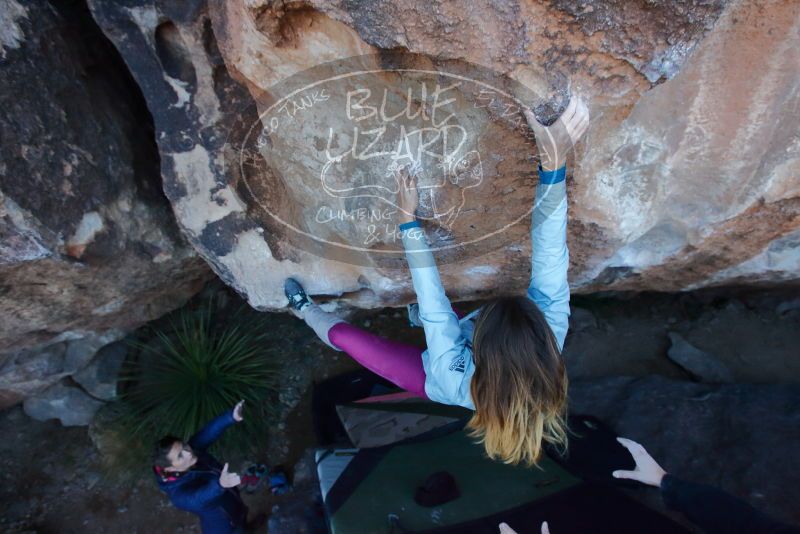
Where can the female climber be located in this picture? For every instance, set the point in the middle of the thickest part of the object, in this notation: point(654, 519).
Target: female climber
point(504, 360)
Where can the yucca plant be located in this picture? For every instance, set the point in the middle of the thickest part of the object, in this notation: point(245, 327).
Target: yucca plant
point(197, 368)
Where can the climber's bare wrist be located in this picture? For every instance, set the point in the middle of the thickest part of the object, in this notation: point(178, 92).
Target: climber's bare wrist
point(405, 218)
point(553, 165)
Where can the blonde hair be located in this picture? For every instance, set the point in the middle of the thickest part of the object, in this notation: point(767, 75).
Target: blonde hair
point(519, 387)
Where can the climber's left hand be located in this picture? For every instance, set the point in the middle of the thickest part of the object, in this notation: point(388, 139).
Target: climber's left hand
point(555, 141)
point(407, 196)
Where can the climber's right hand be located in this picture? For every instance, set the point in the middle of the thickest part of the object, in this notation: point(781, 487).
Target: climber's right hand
point(558, 139)
point(407, 196)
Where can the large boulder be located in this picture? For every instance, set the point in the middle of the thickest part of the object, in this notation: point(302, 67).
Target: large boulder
point(687, 178)
point(88, 244)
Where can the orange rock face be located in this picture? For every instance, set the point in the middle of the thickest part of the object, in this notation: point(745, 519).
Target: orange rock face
point(281, 125)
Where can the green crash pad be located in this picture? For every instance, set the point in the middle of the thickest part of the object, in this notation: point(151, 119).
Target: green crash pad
point(487, 487)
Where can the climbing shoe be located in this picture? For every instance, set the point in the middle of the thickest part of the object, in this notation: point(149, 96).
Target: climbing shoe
point(298, 299)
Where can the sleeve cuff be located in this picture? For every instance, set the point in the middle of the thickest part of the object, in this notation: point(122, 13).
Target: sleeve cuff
point(410, 224)
point(552, 177)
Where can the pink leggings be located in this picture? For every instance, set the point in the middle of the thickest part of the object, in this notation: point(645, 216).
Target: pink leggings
point(399, 363)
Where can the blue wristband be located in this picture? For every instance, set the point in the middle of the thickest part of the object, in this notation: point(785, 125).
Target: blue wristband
point(409, 225)
point(552, 177)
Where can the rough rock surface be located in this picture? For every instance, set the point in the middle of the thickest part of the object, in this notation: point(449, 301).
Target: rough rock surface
point(29, 371)
point(69, 404)
point(701, 365)
point(739, 438)
point(99, 378)
point(688, 176)
point(88, 244)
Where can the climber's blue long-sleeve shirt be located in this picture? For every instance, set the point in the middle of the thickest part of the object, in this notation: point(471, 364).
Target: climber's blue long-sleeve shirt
point(448, 358)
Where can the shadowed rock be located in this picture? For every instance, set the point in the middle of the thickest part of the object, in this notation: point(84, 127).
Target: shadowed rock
point(100, 377)
point(69, 404)
point(740, 438)
point(701, 365)
point(88, 242)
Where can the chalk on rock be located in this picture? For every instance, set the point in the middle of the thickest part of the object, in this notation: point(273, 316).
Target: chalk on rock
point(702, 366)
point(69, 404)
point(99, 378)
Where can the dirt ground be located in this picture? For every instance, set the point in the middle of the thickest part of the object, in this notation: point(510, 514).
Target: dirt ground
point(54, 479)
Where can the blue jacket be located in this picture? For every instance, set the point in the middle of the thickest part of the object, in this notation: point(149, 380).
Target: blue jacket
point(198, 490)
point(448, 358)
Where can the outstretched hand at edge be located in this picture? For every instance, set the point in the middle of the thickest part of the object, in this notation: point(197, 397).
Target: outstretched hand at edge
point(647, 470)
